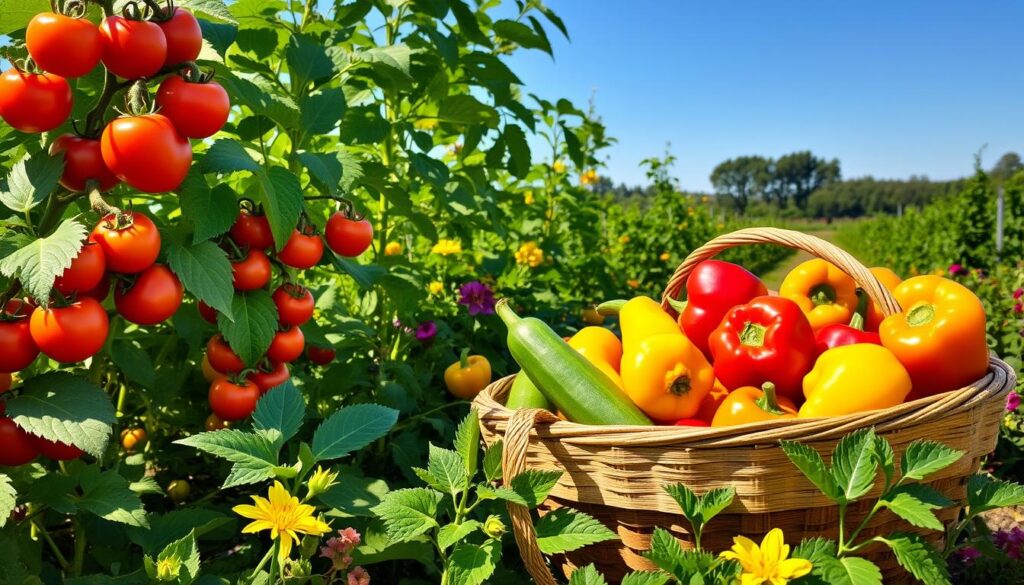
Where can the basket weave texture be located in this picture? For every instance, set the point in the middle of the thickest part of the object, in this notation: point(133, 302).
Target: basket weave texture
point(617, 473)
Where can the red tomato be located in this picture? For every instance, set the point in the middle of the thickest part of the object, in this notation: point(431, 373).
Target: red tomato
point(65, 46)
point(100, 292)
point(55, 449)
point(197, 110)
point(302, 250)
point(294, 304)
point(130, 242)
point(230, 401)
point(86, 271)
point(252, 231)
point(32, 102)
point(207, 312)
point(155, 296)
point(252, 272)
point(5, 382)
point(17, 349)
point(287, 345)
point(184, 37)
point(272, 379)
point(72, 333)
point(348, 237)
point(320, 356)
point(146, 152)
point(83, 162)
point(132, 48)
point(20, 307)
point(18, 448)
point(222, 358)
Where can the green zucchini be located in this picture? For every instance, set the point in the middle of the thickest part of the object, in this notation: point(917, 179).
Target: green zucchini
point(524, 394)
point(575, 386)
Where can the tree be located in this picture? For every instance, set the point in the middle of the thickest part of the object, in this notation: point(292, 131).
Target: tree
point(1007, 165)
point(799, 174)
point(741, 178)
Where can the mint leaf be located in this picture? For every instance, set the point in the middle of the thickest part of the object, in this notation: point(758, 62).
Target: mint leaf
point(487, 492)
point(665, 551)
point(467, 442)
point(810, 463)
point(446, 468)
point(645, 578)
point(854, 463)
point(918, 557)
point(816, 550)
point(688, 501)
point(450, 534)
point(31, 181)
point(63, 407)
point(352, 428)
point(565, 530)
point(923, 458)
point(8, 499)
point(914, 503)
point(850, 571)
point(106, 494)
point(492, 461)
point(41, 261)
point(987, 493)
point(886, 458)
point(408, 513)
point(534, 485)
point(472, 564)
point(716, 500)
point(587, 575)
point(253, 455)
point(251, 325)
point(281, 408)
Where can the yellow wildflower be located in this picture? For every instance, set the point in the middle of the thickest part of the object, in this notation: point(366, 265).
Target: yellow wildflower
point(665, 257)
point(321, 481)
point(558, 166)
point(436, 287)
point(284, 516)
point(528, 198)
point(446, 247)
point(392, 249)
point(767, 564)
point(168, 569)
point(705, 199)
point(690, 211)
point(633, 283)
point(624, 239)
point(588, 177)
point(720, 225)
point(530, 255)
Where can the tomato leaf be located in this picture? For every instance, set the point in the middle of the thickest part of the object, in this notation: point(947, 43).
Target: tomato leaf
point(281, 408)
point(350, 429)
point(253, 327)
point(106, 494)
point(31, 181)
point(211, 211)
point(216, 9)
point(15, 14)
point(281, 196)
point(254, 456)
point(204, 271)
point(8, 499)
point(41, 261)
point(320, 113)
point(63, 407)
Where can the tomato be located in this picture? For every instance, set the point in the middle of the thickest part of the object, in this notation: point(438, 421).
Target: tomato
point(83, 162)
point(302, 250)
point(209, 372)
point(65, 46)
point(130, 242)
point(252, 272)
point(252, 230)
point(55, 449)
point(85, 273)
point(348, 237)
point(272, 379)
point(208, 313)
point(132, 48)
point(5, 382)
point(294, 304)
point(146, 152)
point(231, 401)
point(133, 438)
point(222, 358)
point(184, 37)
point(155, 296)
point(20, 307)
point(178, 490)
point(197, 110)
point(72, 333)
point(100, 292)
point(18, 447)
point(320, 356)
point(17, 349)
point(214, 423)
point(287, 345)
point(32, 102)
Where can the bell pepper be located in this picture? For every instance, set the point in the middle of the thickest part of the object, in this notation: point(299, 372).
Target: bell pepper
point(824, 293)
point(691, 422)
point(940, 335)
point(712, 289)
point(712, 401)
point(854, 378)
point(468, 376)
point(639, 318)
point(765, 340)
point(598, 344)
point(666, 376)
point(837, 334)
point(748, 404)
point(890, 280)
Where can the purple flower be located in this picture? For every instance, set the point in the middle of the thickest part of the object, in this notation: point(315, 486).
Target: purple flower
point(478, 297)
point(1011, 541)
point(1018, 293)
point(1012, 401)
point(956, 269)
point(967, 554)
point(426, 331)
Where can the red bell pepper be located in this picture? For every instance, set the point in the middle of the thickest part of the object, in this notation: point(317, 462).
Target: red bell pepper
point(712, 289)
point(838, 334)
point(766, 340)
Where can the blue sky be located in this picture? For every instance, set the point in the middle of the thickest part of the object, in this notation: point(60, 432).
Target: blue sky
point(891, 88)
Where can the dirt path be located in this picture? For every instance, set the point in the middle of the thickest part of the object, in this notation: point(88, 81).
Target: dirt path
point(773, 278)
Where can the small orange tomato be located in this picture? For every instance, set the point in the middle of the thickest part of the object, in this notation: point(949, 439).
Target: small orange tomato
point(133, 439)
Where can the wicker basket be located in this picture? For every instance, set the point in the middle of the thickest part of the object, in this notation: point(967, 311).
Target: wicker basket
point(617, 473)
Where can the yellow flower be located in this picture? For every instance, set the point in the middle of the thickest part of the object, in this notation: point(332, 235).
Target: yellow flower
point(530, 255)
point(168, 569)
point(705, 199)
point(283, 515)
point(766, 564)
point(665, 256)
point(528, 198)
point(690, 211)
point(436, 287)
point(633, 283)
point(558, 166)
point(392, 249)
point(321, 481)
point(624, 239)
point(447, 247)
point(720, 226)
point(588, 177)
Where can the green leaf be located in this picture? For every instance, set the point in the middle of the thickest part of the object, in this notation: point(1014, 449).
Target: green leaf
point(8, 499)
point(281, 196)
point(472, 564)
point(492, 461)
point(56, 491)
point(219, 36)
point(919, 558)
point(211, 211)
point(506, 494)
point(713, 502)
point(450, 534)
point(40, 262)
point(408, 513)
point(166, 528)
point(689, 502)
point(281, 408)
point(521, 34)
point(186, 553)
point(31, 181)
point(134, 363)
point(854, 464)
point(923, 458)
point(587, 575)
point(326, 169)
point(987, 493)
point(466, 109)
point(914, 503)
point(467, 442)
point(15, 14)
point(320, 112)
point(307, 59)
point(254, 324)
point(215, 9)
point(518, 150)
point(468, 25)
point(817, 550)
point(645, 578)
point(253, 455)
point(534, 485)
point(430, 169)
point(886, 458)
point(665, 551)
point(205, 271)
point(228, 156)
point(810, 463)
point(565, 530)
point(446, 467)
point(395, 57)
point(62, 407)
point(355, 495)
point(850, 571)
point(352, 428)
point(107, 494)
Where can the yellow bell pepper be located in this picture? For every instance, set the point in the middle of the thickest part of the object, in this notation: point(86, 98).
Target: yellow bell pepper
point(854, 378)
point(640, 318)
point(825, 294)
point(598, 344)
point(667, 376)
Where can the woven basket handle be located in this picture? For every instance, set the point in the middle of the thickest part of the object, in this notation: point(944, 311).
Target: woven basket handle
point(513, 462)
point(791, 239)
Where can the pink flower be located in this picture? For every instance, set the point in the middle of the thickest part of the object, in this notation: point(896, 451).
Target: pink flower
point(426, 331)
point(1018, 308)
point(358, 576)
point(1018, 293)
point(1012, 401)
point(478, 297)
point(956, 269)
point(339, 547)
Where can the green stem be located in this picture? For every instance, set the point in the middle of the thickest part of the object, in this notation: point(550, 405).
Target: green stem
point(53, 545)
point(80, 541)
point(464, 358)
point(262, 563)
point(611, 307)
point(842, 526)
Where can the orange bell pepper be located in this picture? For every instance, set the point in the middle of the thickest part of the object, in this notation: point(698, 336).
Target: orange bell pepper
point(748, 404)
point(667, 376)
point(890, 280)
point(854, 378)
point(824, 293)
point(598, 344)
point(940, 335)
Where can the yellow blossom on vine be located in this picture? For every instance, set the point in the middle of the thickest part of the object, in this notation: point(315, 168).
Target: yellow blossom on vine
point(284, 516)
point(665, 257)
point(446, 247)
point(633, 283)
point(392, 249)
point(528, 198)
point(558, 166)
point(529, 255)
point(588, 177)
point(321, 481)
point(767, 564)
point(436, 287)
point(624, 239)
